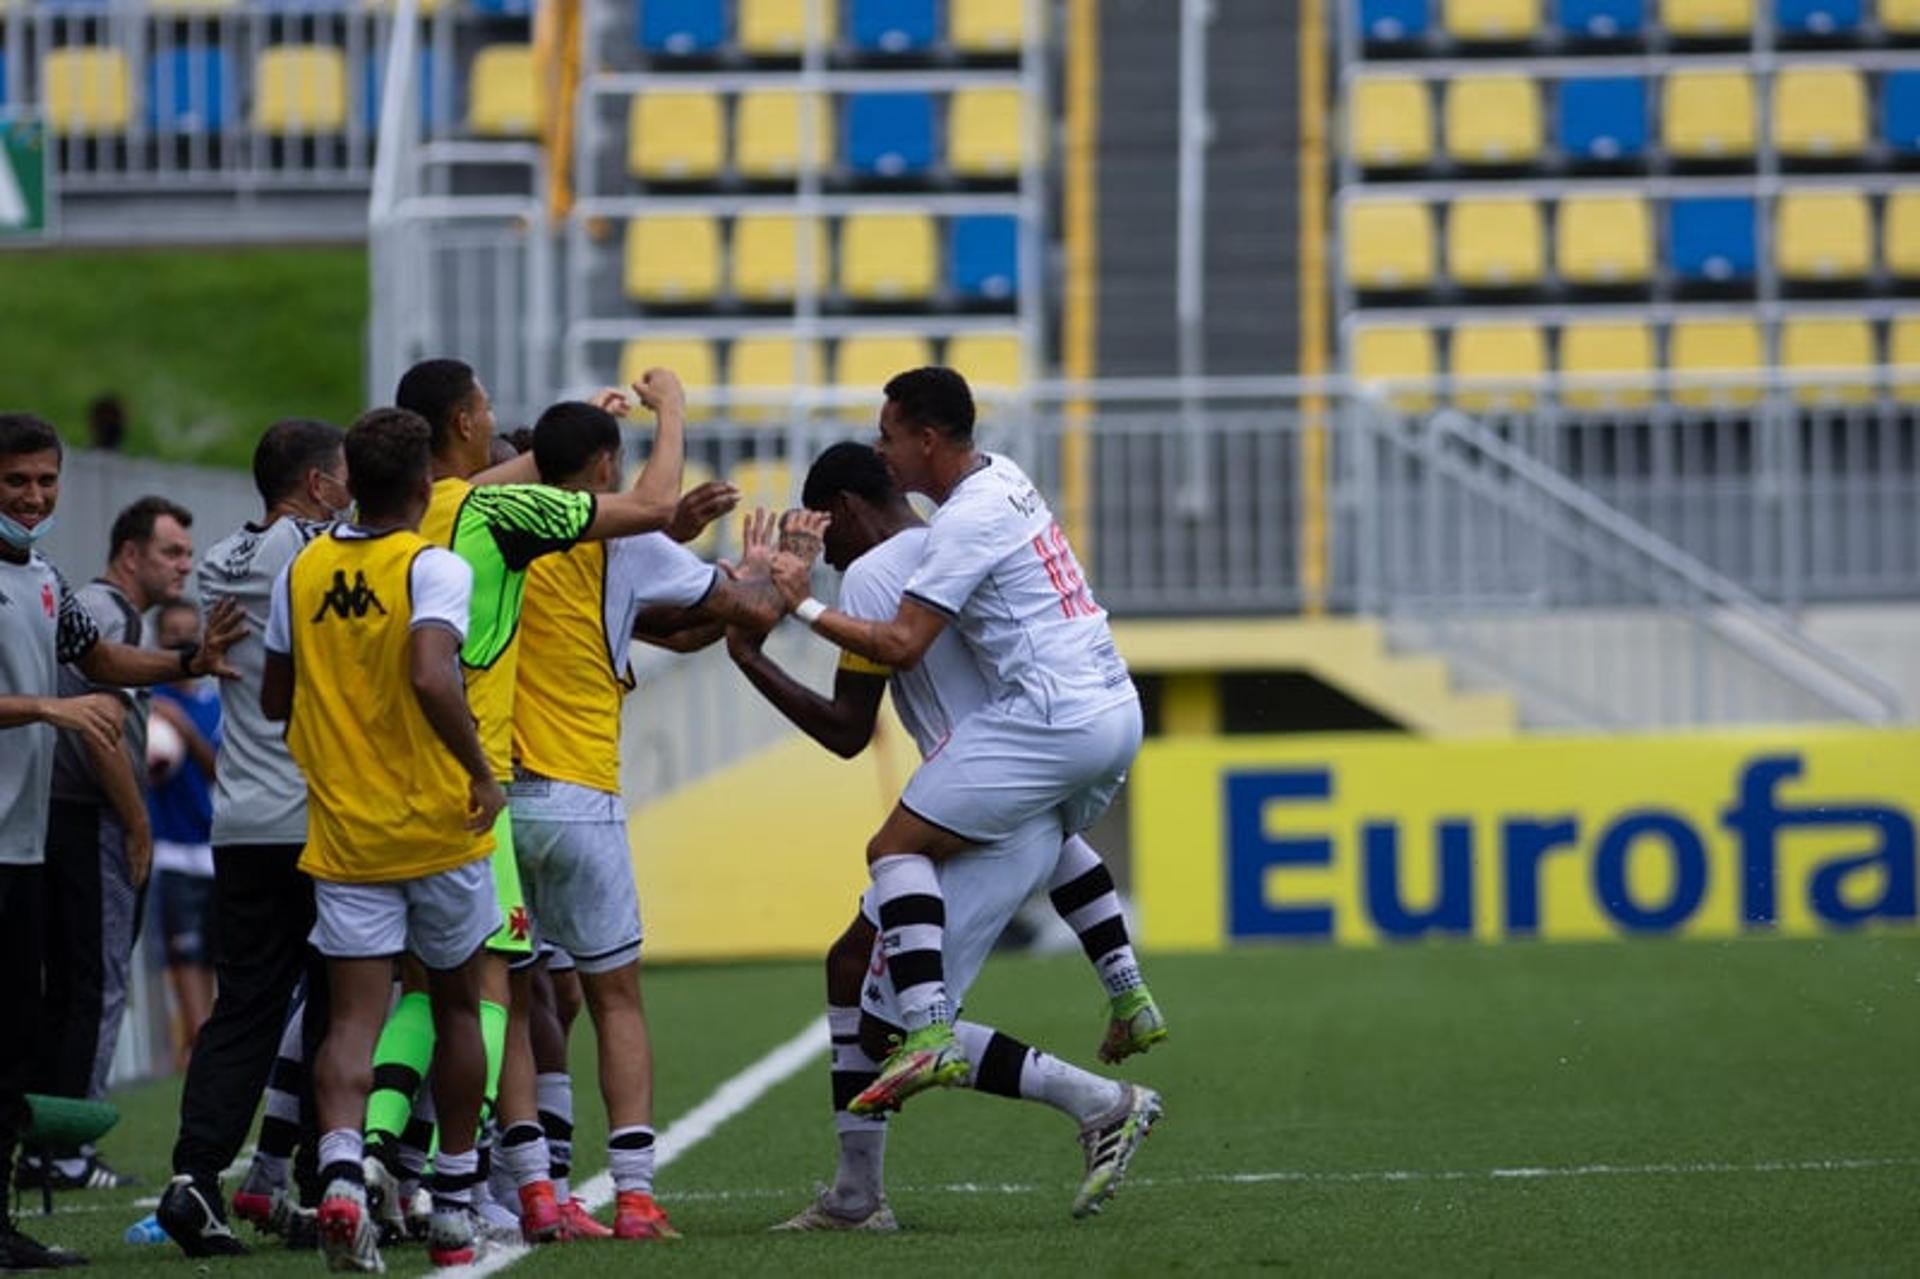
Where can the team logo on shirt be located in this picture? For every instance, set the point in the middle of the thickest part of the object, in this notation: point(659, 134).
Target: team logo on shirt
point(349, 602)
point(48, 604)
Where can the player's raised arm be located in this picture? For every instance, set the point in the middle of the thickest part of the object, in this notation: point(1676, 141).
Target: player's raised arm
point(124, 666)
point(898, 644)
point(651, 502)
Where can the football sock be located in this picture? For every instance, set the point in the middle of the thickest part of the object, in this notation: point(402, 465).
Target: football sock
point(1082, 892)
point(630, 1159)
point(555, 1092)
point(493, 1038)
point(859, 1180)
point(523, 1153)
point(1002, 1065)
point(400, 1061)
point(913, 918)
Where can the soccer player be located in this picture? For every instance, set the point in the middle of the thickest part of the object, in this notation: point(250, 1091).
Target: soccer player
point(363, 642)
point(1058, 736)
point(570, 827)
point(877, 540)
point(263, 901)
point(500, 529)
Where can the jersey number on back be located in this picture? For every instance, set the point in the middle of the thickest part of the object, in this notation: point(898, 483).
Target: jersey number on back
point(1064, 572)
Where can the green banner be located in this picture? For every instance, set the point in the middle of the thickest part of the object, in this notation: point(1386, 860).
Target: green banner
point(23, 178)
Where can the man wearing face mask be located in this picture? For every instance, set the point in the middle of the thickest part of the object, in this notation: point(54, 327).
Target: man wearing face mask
point(41, 625)
point(263, 904)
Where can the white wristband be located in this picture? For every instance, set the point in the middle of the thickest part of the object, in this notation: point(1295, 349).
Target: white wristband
point(809, 610)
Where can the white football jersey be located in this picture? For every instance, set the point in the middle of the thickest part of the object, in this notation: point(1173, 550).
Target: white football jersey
point(947, 685)
point(999, 567)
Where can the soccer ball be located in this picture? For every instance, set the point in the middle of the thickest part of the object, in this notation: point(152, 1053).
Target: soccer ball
point(166, 749)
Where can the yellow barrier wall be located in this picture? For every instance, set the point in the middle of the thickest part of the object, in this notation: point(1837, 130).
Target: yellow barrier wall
point(1362, 841)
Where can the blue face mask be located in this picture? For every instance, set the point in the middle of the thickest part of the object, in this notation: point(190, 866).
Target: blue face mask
point(19, 536)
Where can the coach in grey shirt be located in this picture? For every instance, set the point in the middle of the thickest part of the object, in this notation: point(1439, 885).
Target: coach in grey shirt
point(263, 904)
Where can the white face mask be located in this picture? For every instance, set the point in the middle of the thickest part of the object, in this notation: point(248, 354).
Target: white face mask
point(19, 536)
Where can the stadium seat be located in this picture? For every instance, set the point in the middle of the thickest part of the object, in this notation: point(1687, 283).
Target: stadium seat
point(1706, 19)
point(675, 137)
point(1389, 244)
point(1714, 346)
point(986, 26)
point(1497, 350)
point(1707, 115)
point(300, 89)
point(766, 134)
point(1823, 235)
point(1598, 349)
point(764, 481)
point(887, 135)
point(891, 26)
point(1842, 343)
point(504, 98)
point(690, 357)
point(1900, 111)
point(1477, 20)
point(887, 257)
point(1492, 119)
point(185, 92)
point(1903, 353)
point(1389, 122)
point(1495, 242)
point(1398, 360)
point(492, 8)
point(1391, 21)
point(1819, 112)
point(1711, 239)
point(1604, 239)
point(986, 133)
point(765, 263)
point(1900, 234)
point(778, 28)
point(1899, 17)
point(983, 256)
point(1601, 19)
point(993, 361)
point(1603, 117)
point(864, 363)
point(85, 90)
point(682, 27)
point(673, 258)
point(770, 362)
point(1817, 17)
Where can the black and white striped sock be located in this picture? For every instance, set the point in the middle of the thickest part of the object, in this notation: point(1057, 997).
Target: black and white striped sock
point(913, 920)
point(1083, 893)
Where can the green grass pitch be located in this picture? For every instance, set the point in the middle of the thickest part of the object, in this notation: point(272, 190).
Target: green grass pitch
point(1653, 1107)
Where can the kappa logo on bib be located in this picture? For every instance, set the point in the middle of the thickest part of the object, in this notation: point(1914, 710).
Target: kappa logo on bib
point(349, 602)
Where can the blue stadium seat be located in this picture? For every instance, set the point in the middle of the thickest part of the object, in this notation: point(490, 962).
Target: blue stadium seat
point(983, 256)
point(373, 80)
point(892, 26)
point(1601, 19)
point(1818, 17)
point(887, 135)
point(1603, 117)
point(1900, 111)
point(503, 8)
point(681, 26)
point(1391, 20)
point(184, 93)
point(1711, 238)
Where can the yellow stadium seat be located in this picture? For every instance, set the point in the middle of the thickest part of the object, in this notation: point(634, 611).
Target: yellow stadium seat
point(989, 361)
point(1390, 122)
point(1901, 17)
point(765, 264)
point(986, 26)
point(1900, 234)
point(985, 132)
point(1495, 242)
point(1707, 115)
point(1492, 119)
point(690, 357)
point(887, 257)
point(1819, 112)
point(1823, 235)
point(85, 90)
point(764, 481)
point(766, 134)
point(1498, 351)
point(1836, 342)
point(300, 89)
point(1604, 239)
point(676, 137)
point(1707, 18)
point(673, 258)
point(769, 362)
point(1714, 346)
point(1903, 354)
point(1605, 349)
point(1388, 244)
point(866, 362)
point(504, 93)
point(1398, 361)
point(778, 28)
point(1491, 19)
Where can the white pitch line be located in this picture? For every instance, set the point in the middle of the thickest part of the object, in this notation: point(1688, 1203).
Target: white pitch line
point(682, 1135)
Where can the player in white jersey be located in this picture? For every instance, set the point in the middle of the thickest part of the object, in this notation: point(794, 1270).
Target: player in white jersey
point(877, 541)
